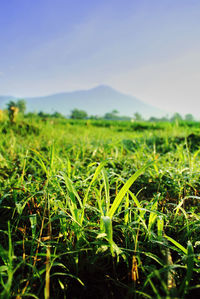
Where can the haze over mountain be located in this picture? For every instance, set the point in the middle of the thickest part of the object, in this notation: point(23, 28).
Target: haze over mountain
point(95, 101)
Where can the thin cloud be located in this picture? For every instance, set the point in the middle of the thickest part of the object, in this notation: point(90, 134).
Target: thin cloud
point(171, 85)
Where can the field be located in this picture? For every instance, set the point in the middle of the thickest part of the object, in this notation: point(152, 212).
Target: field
point(96, 209)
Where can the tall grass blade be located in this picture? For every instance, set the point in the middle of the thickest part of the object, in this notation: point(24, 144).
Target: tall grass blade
point(7, 257)
point(40, 161)
point(106, 185)
point(52, 151)
point(190, 263)
point(178, 245)
point(107, 223)
point(160, 226)
point(190, 266)
point(125, 189)
point(96, 174)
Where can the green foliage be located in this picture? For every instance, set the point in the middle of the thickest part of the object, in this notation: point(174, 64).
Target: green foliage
point(14, 108)
point(12, 111)
point(114, 115)
point(48, 115)
point(85, 214)
point(157, 119)
point(189, 117)
point(11, 104)
point(57, 115)
point(176, 117)
point(21, 104)
point(137, 116)
point(78, 114)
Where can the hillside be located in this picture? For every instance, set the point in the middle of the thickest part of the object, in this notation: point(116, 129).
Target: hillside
point(96, 101)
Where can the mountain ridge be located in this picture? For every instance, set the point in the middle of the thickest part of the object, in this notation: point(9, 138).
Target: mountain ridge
point(95, 101)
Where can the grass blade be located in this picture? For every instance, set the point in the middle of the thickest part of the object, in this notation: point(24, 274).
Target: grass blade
point(178, 245)
point(125, 189)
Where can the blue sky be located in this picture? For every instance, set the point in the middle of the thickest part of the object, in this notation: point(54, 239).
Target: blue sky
point(149, 49)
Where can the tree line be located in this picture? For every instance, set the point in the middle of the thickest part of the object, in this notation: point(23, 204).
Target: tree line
point(13, 107)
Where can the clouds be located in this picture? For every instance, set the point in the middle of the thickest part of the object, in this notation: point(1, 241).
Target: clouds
point(172, 85)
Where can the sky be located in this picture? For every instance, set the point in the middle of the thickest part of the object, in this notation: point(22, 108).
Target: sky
point(146, 48)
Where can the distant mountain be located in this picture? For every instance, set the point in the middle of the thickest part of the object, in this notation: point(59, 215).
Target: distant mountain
point(96, 101)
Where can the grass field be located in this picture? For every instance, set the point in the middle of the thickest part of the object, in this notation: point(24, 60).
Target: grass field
point(96, 209)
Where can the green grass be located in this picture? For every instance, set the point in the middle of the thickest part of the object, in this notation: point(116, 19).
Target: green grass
point(99, 209)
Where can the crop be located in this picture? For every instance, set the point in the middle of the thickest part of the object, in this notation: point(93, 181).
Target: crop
point(94, 209)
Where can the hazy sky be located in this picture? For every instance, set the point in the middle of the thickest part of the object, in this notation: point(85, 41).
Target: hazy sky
point(149, 49)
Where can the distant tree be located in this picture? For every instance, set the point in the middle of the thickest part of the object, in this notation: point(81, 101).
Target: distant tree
point(57, 115)
point(157, 119)
point(189, 117)
point(115, 112)
point(14, 108)
point(44, 115)
point(108, 116)
point(164, 118)
point(31, 114)
point(137, 116)
point(176, 117)
point(21, 104)
point(94, 117)
point(153, 119)
point(11, 104)
point(113, 115)
point(78, 114)
point(12, 111)
point(41, 114)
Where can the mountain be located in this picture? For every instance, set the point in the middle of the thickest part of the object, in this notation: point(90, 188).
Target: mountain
point(96, 101)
